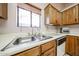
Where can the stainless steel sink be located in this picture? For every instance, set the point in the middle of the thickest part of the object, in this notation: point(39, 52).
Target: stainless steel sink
point(22, 40)
point(31, 39)
point(43, 37)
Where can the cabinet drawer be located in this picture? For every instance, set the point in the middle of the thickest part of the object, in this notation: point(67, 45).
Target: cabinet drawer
point(48, 45)
point(31, 52)
point(50, 52)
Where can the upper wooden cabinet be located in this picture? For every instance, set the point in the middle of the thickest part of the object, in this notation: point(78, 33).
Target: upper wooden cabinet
point(64, 18)
point(70, 16)
point(67, 17)
point(52, 15)
point(3, 10)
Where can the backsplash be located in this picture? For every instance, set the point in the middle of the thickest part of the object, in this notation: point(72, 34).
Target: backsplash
point(72, 28)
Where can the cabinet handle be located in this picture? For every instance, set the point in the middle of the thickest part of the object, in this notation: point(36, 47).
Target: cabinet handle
point(78, 41)
point(56, 21)
point(75, 19)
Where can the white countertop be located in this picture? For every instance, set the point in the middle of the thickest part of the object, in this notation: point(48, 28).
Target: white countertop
point(25, 46)
point(5, 39)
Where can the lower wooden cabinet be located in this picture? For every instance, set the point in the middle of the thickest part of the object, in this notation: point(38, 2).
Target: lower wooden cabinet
point(31, 52)
point(47, 49)
point(77, 46)
point(47, 46)
point(50, 52)
point(72, 45)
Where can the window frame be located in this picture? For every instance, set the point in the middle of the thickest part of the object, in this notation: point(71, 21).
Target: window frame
point(30, 19)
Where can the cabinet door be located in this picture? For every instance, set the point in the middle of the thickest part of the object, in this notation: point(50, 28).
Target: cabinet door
point(53, 15)
point(77, 46)
point(71, 16)
point(58, 18)
point(64, 18)
point(48, 45)
point(31, 52)
point(67, 16)
point(3, 10)
point(74, 11)
point(46, 15)
point(70, 45)
point(50, 52)
point(76, 14)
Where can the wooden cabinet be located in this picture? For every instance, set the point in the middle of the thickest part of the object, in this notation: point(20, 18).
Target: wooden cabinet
point(64, 18)
point(52, 16)
point(70, 16)
point(31, 52)
point(77, 46)
point(50, 52)
point(59, 18)
point(3, 10)
point(67, 17)
point(74, 15)
point(77, 14)
point(72, 45)
point(47, 49)
point(48, 46)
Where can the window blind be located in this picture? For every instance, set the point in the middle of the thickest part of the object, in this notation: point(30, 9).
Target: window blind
point(30, 7)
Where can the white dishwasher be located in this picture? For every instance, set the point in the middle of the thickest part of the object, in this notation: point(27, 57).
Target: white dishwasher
point(61, 46)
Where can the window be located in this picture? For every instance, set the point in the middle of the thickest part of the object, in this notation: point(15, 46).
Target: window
point(28, 18)
point(35, 20)
point(24, 17)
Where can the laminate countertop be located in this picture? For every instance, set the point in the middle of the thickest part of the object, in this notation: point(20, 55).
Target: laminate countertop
point(21, 47)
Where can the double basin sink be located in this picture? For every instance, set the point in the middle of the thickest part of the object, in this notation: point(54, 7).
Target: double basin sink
point(31, 39)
